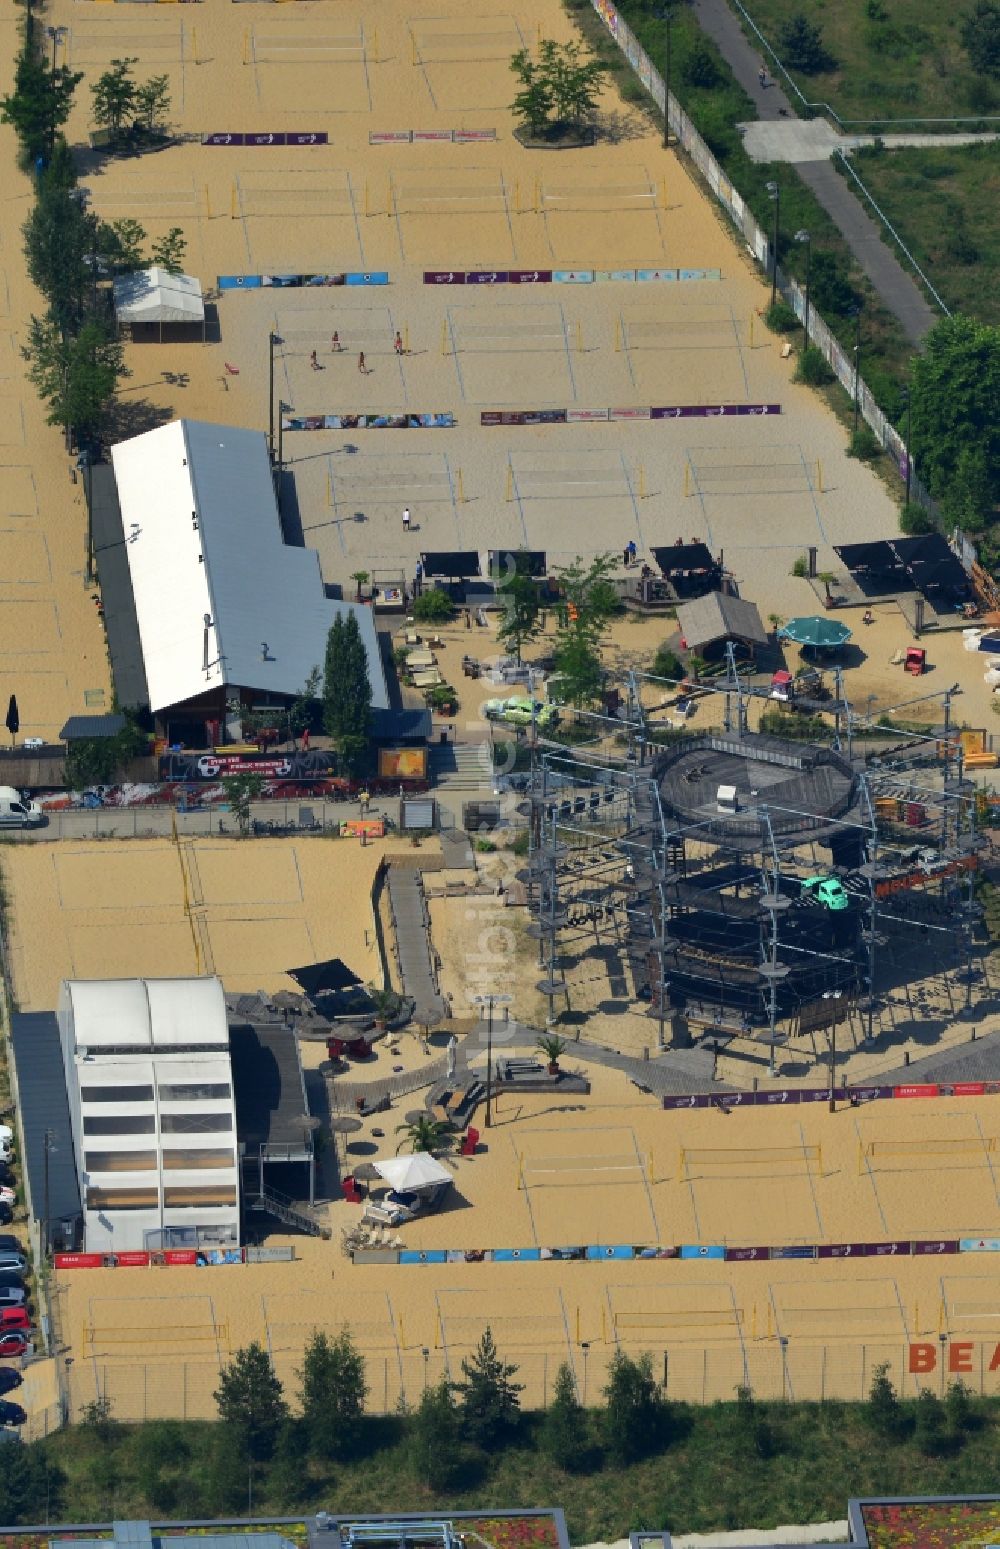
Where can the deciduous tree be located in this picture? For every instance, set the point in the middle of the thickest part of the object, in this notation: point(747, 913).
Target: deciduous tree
point(955, 437)
point(168, 251)
point(347, 692)
point(114, 95)
point(39, 104)
point(980, 35)
point(250, 1399)
point(488, 1394)
point(332, 1392)
point(564, 1434)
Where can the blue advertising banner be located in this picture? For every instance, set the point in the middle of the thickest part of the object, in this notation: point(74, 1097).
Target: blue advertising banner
point(367, 421)
point(572, 276)
point(701, 1251)
point(622, 1252)
point(379, 278)
point(793, 1252)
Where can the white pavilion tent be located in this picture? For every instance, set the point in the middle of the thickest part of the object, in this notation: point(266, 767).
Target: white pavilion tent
point(154, 297)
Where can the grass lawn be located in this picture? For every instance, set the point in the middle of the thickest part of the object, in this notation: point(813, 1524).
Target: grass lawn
point(790, 1463)
point(894, 60)
point(944, 204)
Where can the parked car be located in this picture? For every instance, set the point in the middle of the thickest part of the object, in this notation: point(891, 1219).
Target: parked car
point(14, 1318)
point(11, 1414)
point(10, 1378)
point(828, 891)
point(12, 1296)
point(6, 1214)
point(12, 1276)
point(10, 1244)
point(12, 1344)
point(15, 812)
point(8, 1196)
point(13, 1260)
point(518, 711)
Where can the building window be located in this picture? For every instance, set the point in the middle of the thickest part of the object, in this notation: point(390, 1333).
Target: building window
point(185, 1198)
point(195, 1123)
point(122, 1199)
point(198, 1157)
point(119, 1161)
point(194, 1091)
point(116, 1094)
point(120, 1124)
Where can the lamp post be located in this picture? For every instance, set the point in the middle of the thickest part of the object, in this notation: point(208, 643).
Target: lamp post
point(856, 311)
point(47, 1149)
point(905, 395)
point(667, 18)
point(270, 393)
point(835, 996)
point(489, 1001)
point(55, 36)
point(774, 194)
point(585, 1347)
point(803, 236)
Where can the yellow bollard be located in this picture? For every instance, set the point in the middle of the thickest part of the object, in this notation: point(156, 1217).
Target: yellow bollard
point(687, 478)
point(510, 482)
point(246, 47)
point(618, 333)
point(643, 491)
point(444, 337)
point(579, 338)
point(232, 204)
point(459, 488)
point(819, 477)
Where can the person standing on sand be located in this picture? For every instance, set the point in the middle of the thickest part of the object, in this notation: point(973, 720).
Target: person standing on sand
point(335, 343)
point(397, 343)
point(361, 364)
point(406, 518)
point(314, 362)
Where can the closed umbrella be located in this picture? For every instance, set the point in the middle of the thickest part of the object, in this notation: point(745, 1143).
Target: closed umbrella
point(452, 1055)
point(13, 719)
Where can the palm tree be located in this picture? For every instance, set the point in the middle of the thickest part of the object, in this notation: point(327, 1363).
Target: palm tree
point(386, 1003)
point(551, 1045)
point(827, 576)
point(360, 577)
point(424, 1134)
point(775, 620)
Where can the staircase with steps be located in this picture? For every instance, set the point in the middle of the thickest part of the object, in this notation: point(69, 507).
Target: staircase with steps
point(461, 766)
point(286, 1210)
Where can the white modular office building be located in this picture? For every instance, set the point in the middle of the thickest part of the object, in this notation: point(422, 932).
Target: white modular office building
point(150, 1088)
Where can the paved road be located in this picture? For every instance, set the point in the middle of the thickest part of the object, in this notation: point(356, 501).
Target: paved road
point(898, 291)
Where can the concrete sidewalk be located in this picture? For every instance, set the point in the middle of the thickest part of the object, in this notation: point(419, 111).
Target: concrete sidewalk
point(899, 293)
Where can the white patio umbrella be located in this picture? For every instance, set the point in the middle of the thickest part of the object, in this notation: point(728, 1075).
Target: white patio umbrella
point(418, 1171)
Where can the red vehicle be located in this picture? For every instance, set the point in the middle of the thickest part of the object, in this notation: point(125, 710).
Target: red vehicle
point(13, 1318)
point(12, 1344)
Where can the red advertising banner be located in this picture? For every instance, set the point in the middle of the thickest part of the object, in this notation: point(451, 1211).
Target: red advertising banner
point(969, 1089)
point(916, 1091)
point(131, 1260)
point(180, 1256)
point(79, 1260)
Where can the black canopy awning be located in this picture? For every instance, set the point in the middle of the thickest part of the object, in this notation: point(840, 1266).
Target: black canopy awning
point(451, 565)
point(866, 556)
point(684, 556)
point(324, 978)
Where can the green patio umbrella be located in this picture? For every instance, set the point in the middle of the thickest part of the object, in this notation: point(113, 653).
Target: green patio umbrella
point(822, 633)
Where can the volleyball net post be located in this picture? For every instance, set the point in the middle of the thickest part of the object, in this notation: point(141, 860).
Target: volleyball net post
point(509, 496)
point(687, 479)
point(246, 46)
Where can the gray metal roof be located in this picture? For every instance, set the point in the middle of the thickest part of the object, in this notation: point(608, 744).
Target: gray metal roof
point(120, 622)
point(717, 616)
point(92, 726)
point(43, 1105)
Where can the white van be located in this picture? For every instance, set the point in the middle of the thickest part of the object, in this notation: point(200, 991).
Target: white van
point(16, 812)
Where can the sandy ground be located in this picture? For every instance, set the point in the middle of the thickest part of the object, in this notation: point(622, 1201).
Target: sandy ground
point(112, 909)
point(608, 1168)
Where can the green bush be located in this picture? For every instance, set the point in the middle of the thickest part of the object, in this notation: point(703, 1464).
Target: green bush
point(433, 607)
point(700, 67)
point(864, 445)
point(666, 664)
point(914, 520)
point(801, 567)
point(780, 318)
point(812, 368)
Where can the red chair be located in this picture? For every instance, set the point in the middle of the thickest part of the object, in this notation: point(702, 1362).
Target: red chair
point(351, 1190)
point(335, 1048)
point(469, 1142)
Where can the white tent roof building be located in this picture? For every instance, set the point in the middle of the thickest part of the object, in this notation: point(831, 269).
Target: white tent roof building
point(221, 601)
point(418, 1171)
point(157, 296)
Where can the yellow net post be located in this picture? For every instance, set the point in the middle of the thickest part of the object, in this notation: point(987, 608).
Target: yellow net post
point(208, 204)
point(538, 196)
point(329, 490)
point(643, 491)
point(517, 199)
point(538, 35)
point(510, 483)
point(246, 47)
point(233, 212)
point(375, 58)
point(618, 334)
point(439, 1334)
point(578, 1325)
point(687, 478)
point(751, 330)
point(663, 193)
point(414, 58)
point(819, 1160)
point(406, 338)
point(390, 201)
point(770, 1321)
point(194, 45)
point(819, 477)
point(459, 488)
point(579, 338)
point(649, 1165)
point(682, 1155)
point(368, 199)
point(604, 1327)
point(942, 1327)
point(402, 1334)
point(444, 337)
point(753, 1322)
